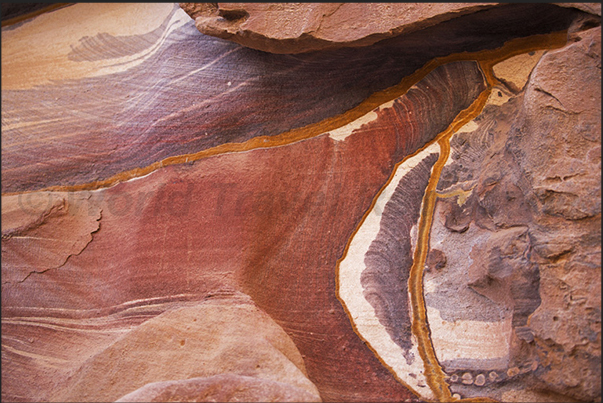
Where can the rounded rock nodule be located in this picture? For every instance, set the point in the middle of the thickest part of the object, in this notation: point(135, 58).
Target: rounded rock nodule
point(467, 378)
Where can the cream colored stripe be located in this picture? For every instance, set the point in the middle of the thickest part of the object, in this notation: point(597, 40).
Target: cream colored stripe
point(47, 361)
point(361, 311)
point(469, 339)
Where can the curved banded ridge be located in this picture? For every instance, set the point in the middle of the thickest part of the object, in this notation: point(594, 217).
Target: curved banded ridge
point(433, 374)
point(403, 361)
point(422, 374)
point(533, 44)
point(488, 58)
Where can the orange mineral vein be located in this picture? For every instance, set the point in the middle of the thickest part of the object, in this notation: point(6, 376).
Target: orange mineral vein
point(490, 57)
point(486, 59)
point(433, 371)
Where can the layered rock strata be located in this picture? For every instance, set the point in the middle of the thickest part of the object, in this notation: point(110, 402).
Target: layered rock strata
point(225, 336)
point(373, 276)
point(298, 28)
point(175, 95)
point(293, 28)
point(220, 229)
point(517, 223)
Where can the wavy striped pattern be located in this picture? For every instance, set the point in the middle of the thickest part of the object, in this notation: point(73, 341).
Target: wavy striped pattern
point(133, 84)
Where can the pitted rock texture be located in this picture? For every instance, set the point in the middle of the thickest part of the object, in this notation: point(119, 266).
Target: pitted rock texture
point(566, 200)
point(523, 247)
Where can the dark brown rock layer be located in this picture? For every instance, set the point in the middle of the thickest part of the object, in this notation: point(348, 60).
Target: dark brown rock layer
point(293, 28)
point(219, 273)
point(298, 28)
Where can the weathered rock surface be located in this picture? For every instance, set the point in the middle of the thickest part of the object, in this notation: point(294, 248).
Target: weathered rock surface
point(225, 336)
point(592, 8)
point(289, 254)
point(523, 247)
point(224, 223)
point(54, 225)
point(304, 27)
point(373, 277)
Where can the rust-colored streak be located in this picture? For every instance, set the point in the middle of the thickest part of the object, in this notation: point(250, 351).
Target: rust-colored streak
point(434, 373)
point(212, 242)
point(486, 58)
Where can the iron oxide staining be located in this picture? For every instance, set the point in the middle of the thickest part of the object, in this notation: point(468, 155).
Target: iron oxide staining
point(374, 273)
point(404, 347)
point(483, 308)
point(169, 100)
point(365, 319)
point(176, 241)
point(373, 276)
point(389, 257)
point(173, 239)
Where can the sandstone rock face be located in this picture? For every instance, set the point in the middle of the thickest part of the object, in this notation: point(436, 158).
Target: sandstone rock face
point(411, 219)
point(592, 8)
point(303, 27)
point(55, 225)
point(219, 388)
point(523, 246)
point(225, 336)
point(247, 99)
point(306, 27)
